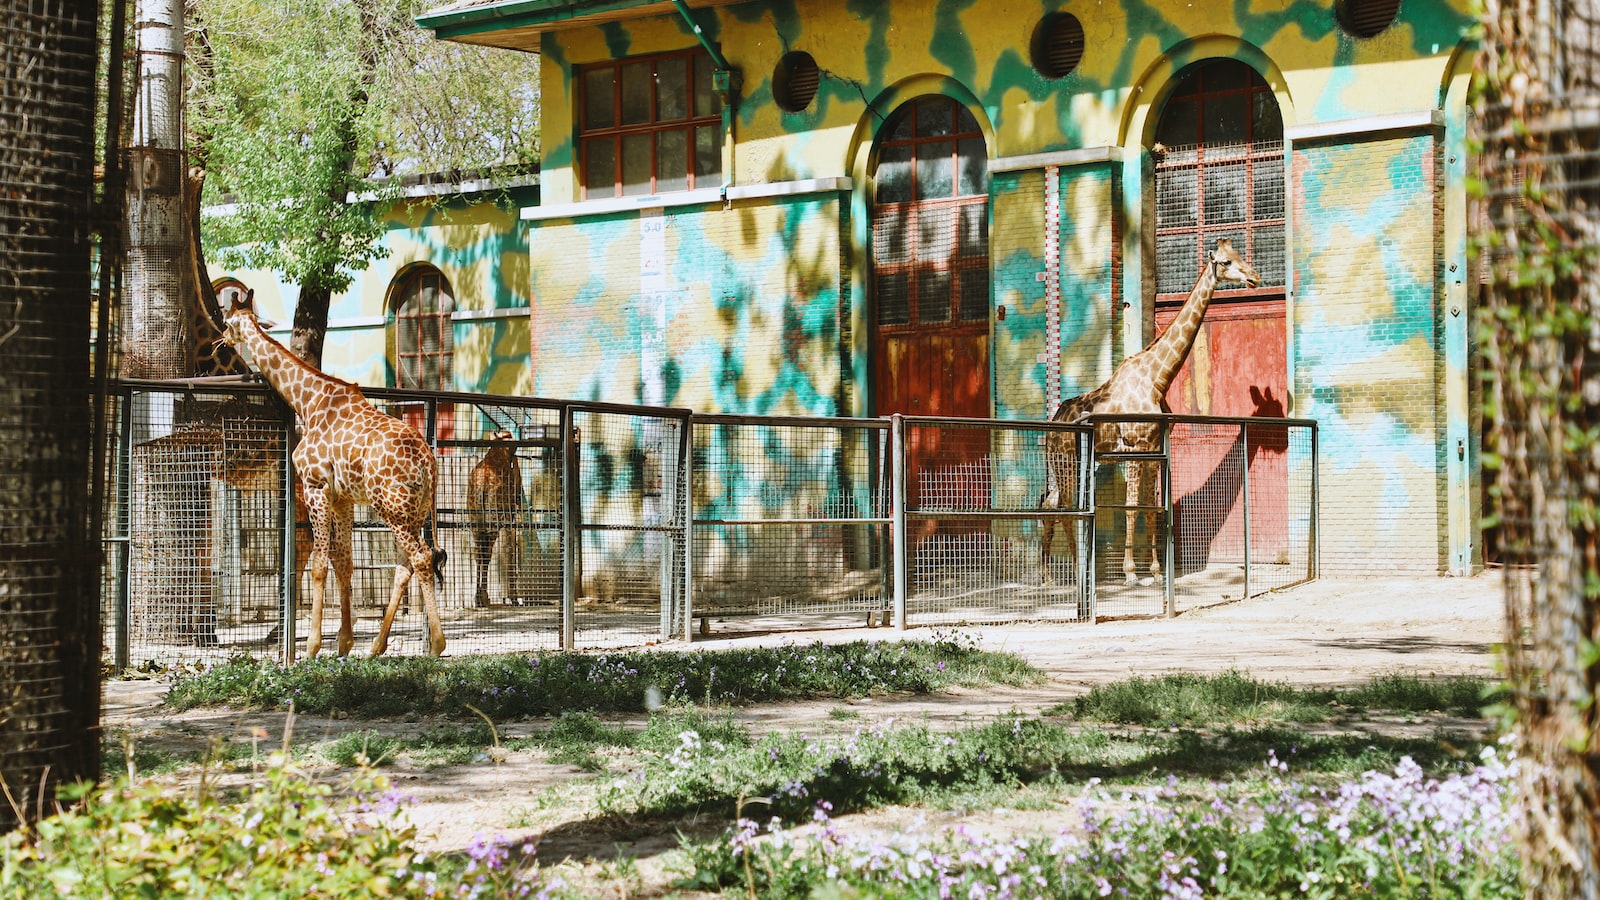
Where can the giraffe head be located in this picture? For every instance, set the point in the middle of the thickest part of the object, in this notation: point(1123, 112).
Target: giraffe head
point(241, 319)
point(1229, 265)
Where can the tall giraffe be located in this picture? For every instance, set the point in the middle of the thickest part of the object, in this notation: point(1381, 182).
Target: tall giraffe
point(350, 453)
point(495, 503)
point(1137, 387)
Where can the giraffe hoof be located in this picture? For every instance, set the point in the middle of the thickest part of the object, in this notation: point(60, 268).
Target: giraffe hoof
point(379, 646)
point(1146, 582)
point(436, 647)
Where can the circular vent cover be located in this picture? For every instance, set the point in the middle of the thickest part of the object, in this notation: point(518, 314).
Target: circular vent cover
point(1057, 45)
point(1366, 18)
point(795, 80)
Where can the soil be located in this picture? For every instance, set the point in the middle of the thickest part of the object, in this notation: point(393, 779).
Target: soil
point(1326, 633)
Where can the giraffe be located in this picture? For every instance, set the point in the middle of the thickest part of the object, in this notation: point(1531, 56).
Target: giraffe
point(494, 502)
point(1137, 387)
point(350, 453)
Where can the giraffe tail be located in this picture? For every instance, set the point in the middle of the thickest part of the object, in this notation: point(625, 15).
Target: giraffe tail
point(439, 557)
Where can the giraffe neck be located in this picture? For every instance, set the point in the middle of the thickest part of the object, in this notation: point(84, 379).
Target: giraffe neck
point(300, 385)
point(1168, 351)
point(213, 355)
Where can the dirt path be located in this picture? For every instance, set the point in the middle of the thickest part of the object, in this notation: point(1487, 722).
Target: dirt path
point(1331, 632)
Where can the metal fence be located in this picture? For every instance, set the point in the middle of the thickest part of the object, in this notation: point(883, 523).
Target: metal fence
point(1231, 513)
point(585, 525)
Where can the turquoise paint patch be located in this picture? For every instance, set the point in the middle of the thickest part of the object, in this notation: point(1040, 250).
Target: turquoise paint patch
point(1312, 19)
point(950, 44)
point(876, 52)
point(617, 39)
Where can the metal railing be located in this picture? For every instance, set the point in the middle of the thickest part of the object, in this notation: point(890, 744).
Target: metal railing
point(584, 525)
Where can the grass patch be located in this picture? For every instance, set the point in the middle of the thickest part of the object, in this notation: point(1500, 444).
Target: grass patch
point(526, 685)
point(1195, 701)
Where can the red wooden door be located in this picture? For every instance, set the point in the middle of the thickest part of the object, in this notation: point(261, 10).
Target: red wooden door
point(930, 298)
point(1237, 367)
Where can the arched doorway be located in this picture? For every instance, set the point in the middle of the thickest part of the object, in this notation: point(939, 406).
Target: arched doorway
point(1219, 173)
point(421, 306)
point(930, 262)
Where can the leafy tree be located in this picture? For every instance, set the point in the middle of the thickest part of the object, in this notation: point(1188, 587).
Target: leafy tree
point(298, 105)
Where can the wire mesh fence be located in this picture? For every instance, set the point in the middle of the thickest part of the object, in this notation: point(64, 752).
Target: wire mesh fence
point(569, 525)
point(791, 521)
point(984, 501)
point(49, 690)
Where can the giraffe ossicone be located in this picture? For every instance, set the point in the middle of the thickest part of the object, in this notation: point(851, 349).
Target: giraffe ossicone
point(1137, 387)
point(349, 452)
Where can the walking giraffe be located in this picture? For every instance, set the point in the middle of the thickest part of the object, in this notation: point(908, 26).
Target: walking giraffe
point(1137, 387)
point(350, 453)
point(495, 502)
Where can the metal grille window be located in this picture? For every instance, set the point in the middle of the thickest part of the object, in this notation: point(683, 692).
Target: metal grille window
point(1219, 174)
point(930, 223)
point(648, 126)
point(424, 337)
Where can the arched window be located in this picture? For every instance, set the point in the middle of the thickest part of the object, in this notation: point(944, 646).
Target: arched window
point(227, 290)
point(424, 337)
point(1219, 174)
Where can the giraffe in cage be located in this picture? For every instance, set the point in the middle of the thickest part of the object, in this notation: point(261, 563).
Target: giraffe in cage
point(1137, 387)
point(350, 452)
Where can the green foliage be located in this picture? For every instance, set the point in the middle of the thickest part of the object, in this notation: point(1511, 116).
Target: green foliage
point(520, 686)
point(297, 105)
point(284, 837)
point(1192, 700)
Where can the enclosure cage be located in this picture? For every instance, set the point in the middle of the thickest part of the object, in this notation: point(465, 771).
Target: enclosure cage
point(587, 525)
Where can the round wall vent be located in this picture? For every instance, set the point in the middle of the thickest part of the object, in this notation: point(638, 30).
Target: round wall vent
point(1366, 18)
point(795, 80)
point(1057, 45)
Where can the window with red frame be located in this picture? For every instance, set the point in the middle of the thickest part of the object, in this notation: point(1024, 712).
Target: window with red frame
point(1219, 174)
point(649, 126)
point(424, 336)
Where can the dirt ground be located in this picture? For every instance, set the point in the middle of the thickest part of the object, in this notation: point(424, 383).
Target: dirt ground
point(1329, 632)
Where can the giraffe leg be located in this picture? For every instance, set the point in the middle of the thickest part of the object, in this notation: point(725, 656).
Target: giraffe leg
point(484, 539)
point(343, 520)
point(321, 527)
point(1152, 519)
point(402, 579)
point(1135, 478)
point(419, 559)
point(512, 548)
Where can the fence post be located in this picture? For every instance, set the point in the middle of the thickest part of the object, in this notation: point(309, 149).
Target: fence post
point(571, 573)
point(897, 493)
point(1086, 526)
point(1313, 552)
point(124, 640)
point(1244, 480)
point(289, 586)
point(686, 467)
point(1169, 588)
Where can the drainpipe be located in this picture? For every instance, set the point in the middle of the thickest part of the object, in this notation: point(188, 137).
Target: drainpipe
point(726, 82)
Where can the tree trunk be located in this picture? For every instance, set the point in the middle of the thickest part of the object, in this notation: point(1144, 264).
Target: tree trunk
point(49, 605)
point(155, 336)
point(1539, 107)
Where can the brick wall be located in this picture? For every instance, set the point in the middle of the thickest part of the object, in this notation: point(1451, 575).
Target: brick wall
point(722, 310)
point(1367, 226)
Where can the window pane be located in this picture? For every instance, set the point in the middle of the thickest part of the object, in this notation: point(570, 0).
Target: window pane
point(974, 295)
point(935, 170)
point(1179, 124)
point(1177, 262)
point(1225, 193)
point(901, 129)
point(706, 101)
point(974, 162)
point(936, 233)
point(893, 299)
point(891, 237)
point(933, 296)
point(1266, 120)
point(600, 167)
point(1227, 119)
point(672, 160)
point(672, 88)
point(599, 106)
point(707, 156)
point(965, 123)
point(1266, 183)
point(974, 237)
point(894, 175)
point(636, 83)
point(1176, 198)
point(933, 116)
point(636, 164)
point(1267, 254)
